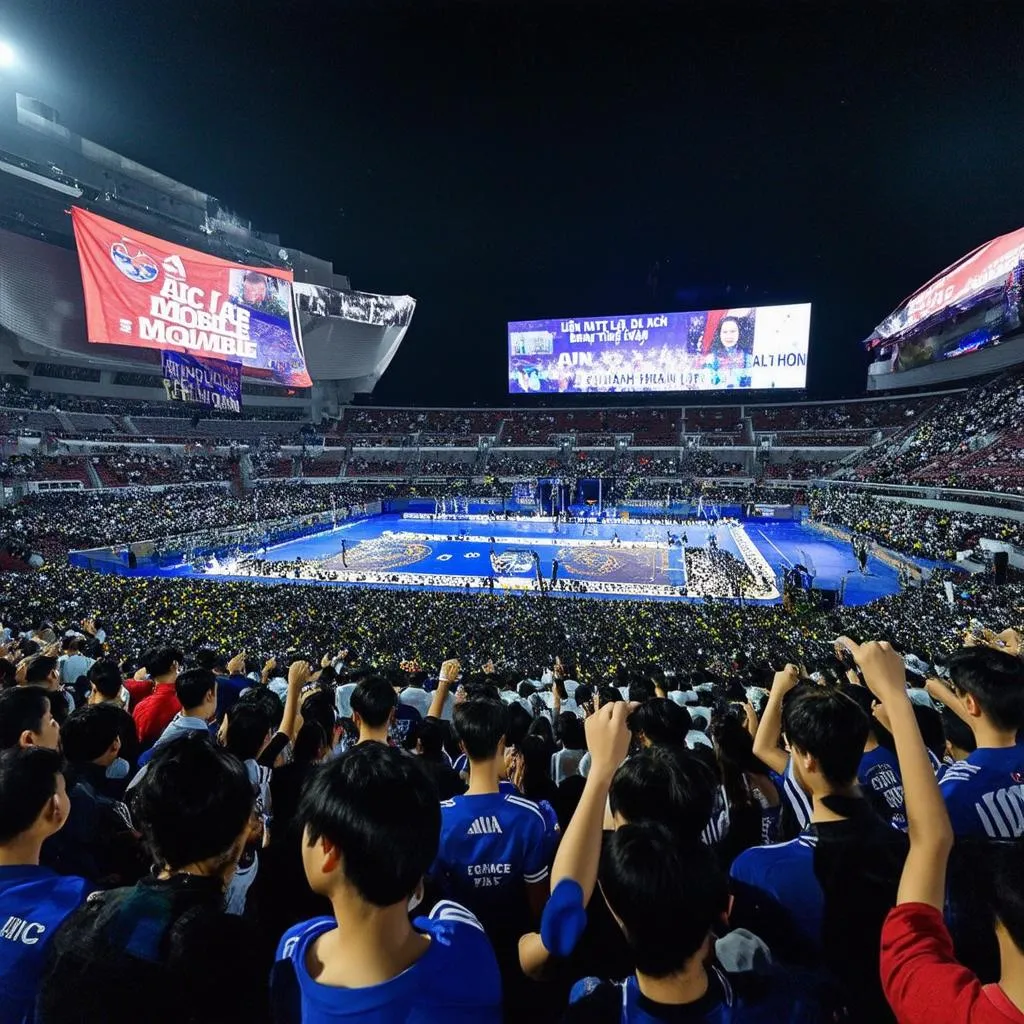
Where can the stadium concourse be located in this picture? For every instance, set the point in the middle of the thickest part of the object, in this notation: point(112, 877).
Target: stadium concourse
point(256, 758)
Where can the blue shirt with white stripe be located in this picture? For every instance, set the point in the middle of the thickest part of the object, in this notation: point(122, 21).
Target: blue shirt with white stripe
point(492, 845)
point(421, 994)
point(984, 794)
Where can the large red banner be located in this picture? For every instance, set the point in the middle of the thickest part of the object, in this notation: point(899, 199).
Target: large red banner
point(145, 292)
point(989, 265)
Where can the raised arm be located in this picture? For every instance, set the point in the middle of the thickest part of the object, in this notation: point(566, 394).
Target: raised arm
point(449, 673)
point(298, 673)
point(931, 835)
point(766, 740)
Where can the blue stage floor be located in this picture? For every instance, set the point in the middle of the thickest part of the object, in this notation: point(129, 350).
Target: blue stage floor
point(421, 548)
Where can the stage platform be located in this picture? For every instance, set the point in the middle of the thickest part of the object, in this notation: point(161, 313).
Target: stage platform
point(610, 560)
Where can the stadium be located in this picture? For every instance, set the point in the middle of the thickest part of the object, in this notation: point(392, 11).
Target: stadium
point(666, 608)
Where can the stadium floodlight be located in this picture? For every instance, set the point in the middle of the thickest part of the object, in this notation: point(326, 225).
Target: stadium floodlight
point(8, 58)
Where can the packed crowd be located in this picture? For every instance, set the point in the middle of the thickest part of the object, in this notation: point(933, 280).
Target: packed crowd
point(251, 802)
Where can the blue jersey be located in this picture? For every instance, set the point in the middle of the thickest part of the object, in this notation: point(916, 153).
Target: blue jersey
point(456, 981)
point(781, 878)
point(984, 794)
point(882, 785)
point(491, 846)
point(33, 903)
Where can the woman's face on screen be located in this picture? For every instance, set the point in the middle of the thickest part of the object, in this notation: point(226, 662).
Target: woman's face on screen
point(730, 333)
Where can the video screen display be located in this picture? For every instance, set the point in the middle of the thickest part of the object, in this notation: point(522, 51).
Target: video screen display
point(745, 349)
point(146, 292)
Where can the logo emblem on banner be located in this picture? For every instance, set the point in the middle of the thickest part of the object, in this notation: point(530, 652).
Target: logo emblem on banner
point(140, 267)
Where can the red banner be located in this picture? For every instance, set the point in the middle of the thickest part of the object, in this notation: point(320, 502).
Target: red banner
point(990, 265)
point(145, 292)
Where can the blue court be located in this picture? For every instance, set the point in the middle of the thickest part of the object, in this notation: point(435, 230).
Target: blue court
point(607, 560)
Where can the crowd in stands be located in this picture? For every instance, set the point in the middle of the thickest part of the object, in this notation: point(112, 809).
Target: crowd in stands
point(623, 811)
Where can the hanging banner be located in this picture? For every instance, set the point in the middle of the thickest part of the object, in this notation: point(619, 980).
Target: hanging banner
point(145, 292)
point(210, 382)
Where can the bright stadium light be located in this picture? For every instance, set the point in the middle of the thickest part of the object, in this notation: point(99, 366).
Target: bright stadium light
point(8, 58)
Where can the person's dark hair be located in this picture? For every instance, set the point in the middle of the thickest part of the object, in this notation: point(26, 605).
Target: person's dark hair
point(374, 700)
point(609, 694)
point(929, 721)
point(192, 686)
point(541, 727)
point(517, 724)
point(662, 721)
point(310, 742)
point(957, 731)
point(89, 732)
point(824, 722)
point(207, 657)
point(268, 702)
point(21, 709)
point(735, 749)
point(320, 706)
point(106, 677)
point(431, 740)
point(536, 767)
point(28, 779)
point(641, 690)
point(667, 785)
point(668, 895)
point(994, 679)
point(570, 732)
point(479, 726)
point(39, 670)
point(380, 809)
point(1002, 891)
point(8, 674)
point(193, 802)
point(159, 662)
point(248, 726)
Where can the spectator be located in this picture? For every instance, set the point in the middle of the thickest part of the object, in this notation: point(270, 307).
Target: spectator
point(157, 940)
point(34, 806)
point(105, 687)
point(26, 719)
point(373, 709)
point(153, 713)
point(196, 691)
point(371, 830)
point(982, 792)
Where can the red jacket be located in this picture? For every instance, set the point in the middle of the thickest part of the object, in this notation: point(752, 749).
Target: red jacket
point(923, 981)
point(153, 713)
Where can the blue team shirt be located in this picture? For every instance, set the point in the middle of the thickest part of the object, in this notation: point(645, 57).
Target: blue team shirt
point(984, 794)
point(491, 846)
point(881, 782)
point(785, 873)
point(456, 981)
point(33, 903)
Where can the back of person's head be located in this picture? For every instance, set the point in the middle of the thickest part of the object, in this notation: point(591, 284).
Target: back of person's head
point(929, 721)
point(541, 727)
point(311, 743)
point(666, 894)
point(89, 732)
point(193, 686)
point(662, 722)
point(609, 694)
point(1001, 885)
point(320, 706)
point(266, 700)
point(824, 723)
point(734, 747)
point(22, 710)
point(105, 676)
point(207, 657)
point(641, 690)
point(29, 780)
point(536, 756)
point(247, 727)
point(664, 784)
point(480, 727)
point(8, 674)
point(570, 732)
point(994, 680)
point(374, 700)
point(429, 740)
point(40, 669)
point(956, 732)
point(517, 724)
point(161, 662)
point(193, 803)
point(378, 810)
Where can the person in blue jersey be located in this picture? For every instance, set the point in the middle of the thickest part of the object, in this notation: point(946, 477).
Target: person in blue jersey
point(160, 950)
point(371, 827)
point(821, 899)
point(34, 805)
point(667, 897)
point(984, 793)
point(878, 773)
point(493, 853)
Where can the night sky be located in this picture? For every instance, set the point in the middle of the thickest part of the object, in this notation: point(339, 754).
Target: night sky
point(507, 160)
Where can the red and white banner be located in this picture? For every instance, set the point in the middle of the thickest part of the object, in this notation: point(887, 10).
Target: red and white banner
point(989, 265)
point(145, 292)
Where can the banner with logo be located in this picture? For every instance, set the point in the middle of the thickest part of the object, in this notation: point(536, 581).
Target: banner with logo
point(145, 292)
point(210, 382)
